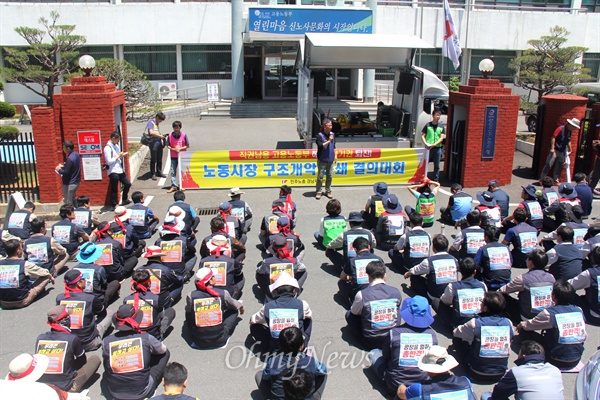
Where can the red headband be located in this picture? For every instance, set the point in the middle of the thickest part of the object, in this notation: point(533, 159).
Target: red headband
point(201, 284)
point(102, 232)
point(59, 328)
point(120, 223)
point(25, 373)
point(70, 288)
point(129, 321)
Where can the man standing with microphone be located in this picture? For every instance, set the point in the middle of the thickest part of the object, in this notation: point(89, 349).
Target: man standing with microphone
point(326, 158)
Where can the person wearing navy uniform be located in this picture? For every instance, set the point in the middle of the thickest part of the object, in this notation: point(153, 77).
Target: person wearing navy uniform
point(284, 228)
point(180, 254)
point(390, 225)
point(413, 246)
point(588, 280)
point(44, 251)
point(165, 283)
point(375, 309)
point(344, 241)
point(124, 233)
point(241, 209)
point(175, 380)
point(84, 217)
point(354, 277)
point(560, 145)
point(471, 238)
point(567, 199)
point(229, 272)
point(494, 260)
point(65, 232)
point(502, 199)
point(565, 260)
point(142, 218)
point(282, 261)
point(19, 222)
point(459, 205)
point(374, 206)
point(523, 238)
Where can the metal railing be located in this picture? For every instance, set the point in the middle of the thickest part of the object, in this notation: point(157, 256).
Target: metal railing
point(18, 168)
point(384, 93)
point(191, 95)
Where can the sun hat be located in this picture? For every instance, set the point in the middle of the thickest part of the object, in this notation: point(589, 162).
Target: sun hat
point(283, 279)
point(171, 225)
point(153, 251)
point(437, 360)
point(127, 318)
point(486, 199)
point(567, 190)
point(392, 204)
point(355, 216)
point(380, 188)
point(88, 253)
point(122, 213)
point(204, 274)
point(235, 191)
point(416, 312)
point(177, 212)
point(27, 368)
point(530, 190)
point(575, 122)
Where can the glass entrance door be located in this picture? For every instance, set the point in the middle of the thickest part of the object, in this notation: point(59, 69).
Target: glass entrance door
point(280, 79)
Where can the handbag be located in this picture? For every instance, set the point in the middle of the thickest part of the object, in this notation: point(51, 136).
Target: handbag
point(146, 139)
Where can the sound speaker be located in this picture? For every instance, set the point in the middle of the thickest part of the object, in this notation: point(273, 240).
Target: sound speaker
point(320, 78)
point(405, 84)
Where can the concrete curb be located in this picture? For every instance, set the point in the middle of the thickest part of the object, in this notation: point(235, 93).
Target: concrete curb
point(135, 161)
point(525, 147)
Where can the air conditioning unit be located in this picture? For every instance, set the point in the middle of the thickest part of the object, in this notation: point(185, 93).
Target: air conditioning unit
point(267, 2)
point(167, 90)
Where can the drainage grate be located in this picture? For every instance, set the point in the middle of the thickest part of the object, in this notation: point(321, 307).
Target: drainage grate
point(207, 211)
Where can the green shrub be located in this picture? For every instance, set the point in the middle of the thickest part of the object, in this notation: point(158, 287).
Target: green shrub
point(7, 110)
point(453, 83)
point(8, 132)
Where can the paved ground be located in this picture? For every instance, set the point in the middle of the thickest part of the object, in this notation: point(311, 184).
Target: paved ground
point(229, 373)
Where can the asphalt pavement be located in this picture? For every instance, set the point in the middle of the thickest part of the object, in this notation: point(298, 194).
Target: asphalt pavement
point(229, 373)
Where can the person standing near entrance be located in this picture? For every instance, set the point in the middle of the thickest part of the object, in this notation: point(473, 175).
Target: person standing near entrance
point(156, 147)
point(176, 141)
point(70, 173)
point(433, 137)
point(560, 145)
point(113, 156)
point(326, 158)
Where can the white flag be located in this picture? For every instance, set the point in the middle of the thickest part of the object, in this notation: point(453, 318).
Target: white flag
point(451, 44)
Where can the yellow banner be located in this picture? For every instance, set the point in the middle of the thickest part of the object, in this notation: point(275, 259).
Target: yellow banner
point(272, 168)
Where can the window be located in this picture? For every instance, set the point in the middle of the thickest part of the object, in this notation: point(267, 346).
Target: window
point(97, 52)
point(592, 61)
point(501, 60)
point(157, 62)
point(206, 61)
point(432, 60)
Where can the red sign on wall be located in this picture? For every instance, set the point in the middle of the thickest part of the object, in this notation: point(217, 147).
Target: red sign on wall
point(89, 142)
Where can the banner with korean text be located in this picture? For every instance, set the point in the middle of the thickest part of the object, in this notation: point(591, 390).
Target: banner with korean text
point(272, 168)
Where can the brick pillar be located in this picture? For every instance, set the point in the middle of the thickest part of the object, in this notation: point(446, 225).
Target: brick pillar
point(469, 104)
point(88, 103)
point(48, 153)
point(559, 107)
point(595, 135)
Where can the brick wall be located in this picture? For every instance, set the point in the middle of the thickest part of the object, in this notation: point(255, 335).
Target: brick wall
point(475, 97)
point(48, 153)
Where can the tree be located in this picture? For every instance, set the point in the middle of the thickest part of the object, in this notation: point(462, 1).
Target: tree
point(547, 64)
point(41, 66)
point(141, 100)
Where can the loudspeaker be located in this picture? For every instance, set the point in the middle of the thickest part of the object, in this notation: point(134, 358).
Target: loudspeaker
point(405, 84)
point(320, 78)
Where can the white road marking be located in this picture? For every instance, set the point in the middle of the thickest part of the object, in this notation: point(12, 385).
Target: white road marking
point(147, 200)
point(166, 169)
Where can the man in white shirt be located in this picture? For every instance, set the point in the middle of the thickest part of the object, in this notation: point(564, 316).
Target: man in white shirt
point(113, 156)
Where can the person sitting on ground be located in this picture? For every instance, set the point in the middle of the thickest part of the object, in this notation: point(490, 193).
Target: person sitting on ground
point(294, 243)
point(217, 227)
point(459, 205)
point(179, 254)
point(123, 233)
point(211, 314)
point(502, 199)
point(44, 251)
point(345, 239)
point(84, 217)
point(281, 262)
point(396, 362)
point(548, 195)
point(390, 225)
point(5, 236)
point(299, 385)
point(126, 376)
point(142, 218)
point(175, 380)
point(471, 238)
point(113, 256)
point(19, 222)
point(533, 210)
point(96, 280)
point(580, 229)
point(81, 309)
point(437, 363)
point(413, 246)
point(425, 195)
point(491, 214)
point(564, 347)
point(268, 225)
point(69, 368)
point(191, 220)
point(284, 311)
point(229, 274)
point(565, 260)
point(156, 320)
point(534, 287)
point(162, 279)
point(331, 225)
point(65, 232)
point(375, 308)
point(494, 260)
point(232, 224)
point(281, 366)
point(523, 238)
point(440, 269)
point(464, 296)
point(354, 275)
point(531, 378)
point(16, 288)
point(584, 193)
point(489, 336)
point(285, 194)
point(567, 198)
point(588, 280)
point(241, 209)
point(374, 205)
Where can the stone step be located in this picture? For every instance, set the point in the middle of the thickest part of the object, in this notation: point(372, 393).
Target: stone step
point(268, 109)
